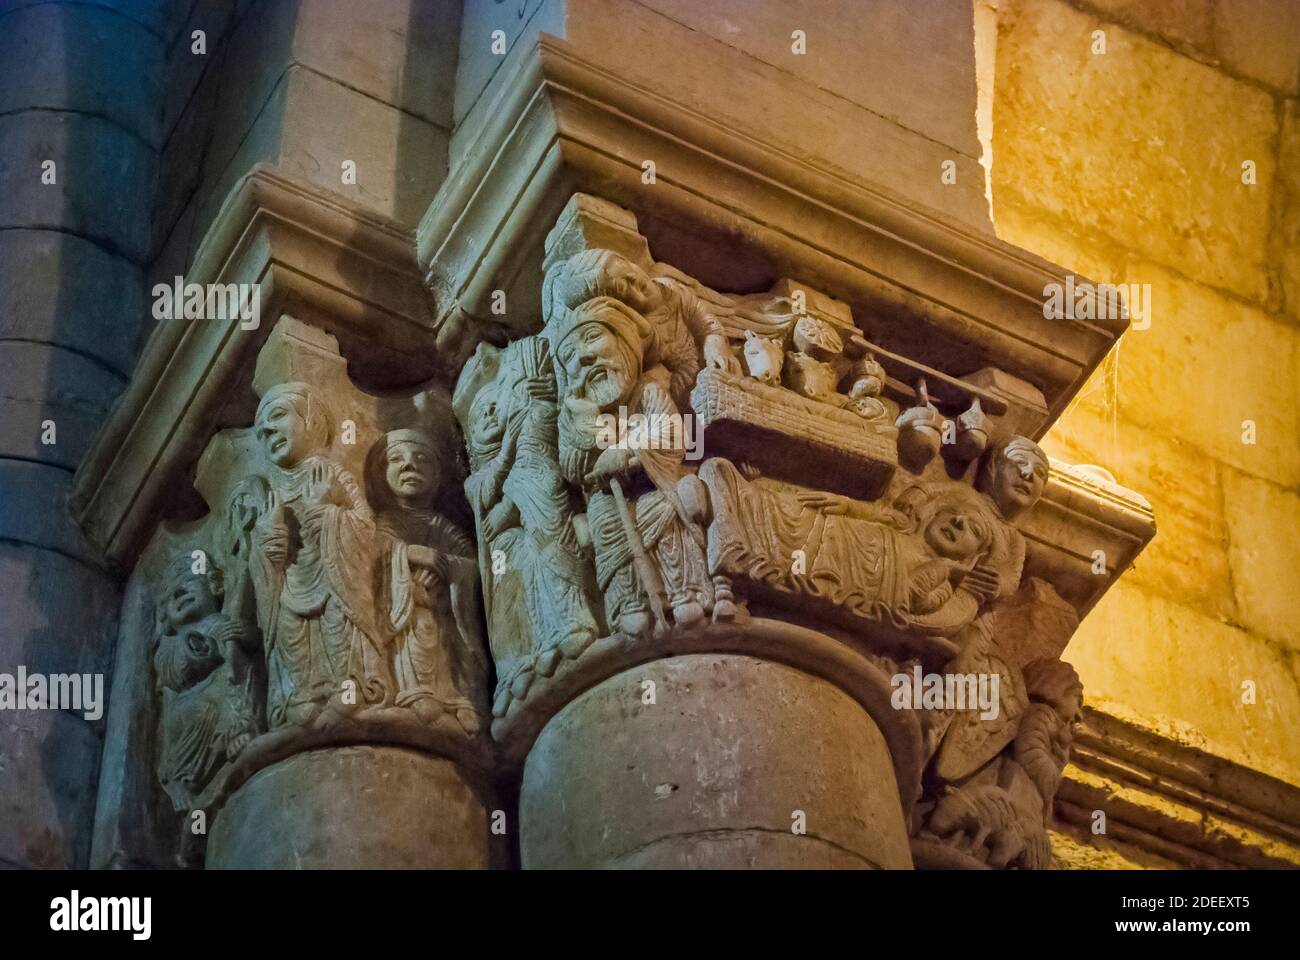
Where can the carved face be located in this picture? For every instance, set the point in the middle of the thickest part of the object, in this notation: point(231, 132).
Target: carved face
point(283, 433)
point(486, 424)
point(1019, 476)
point(410, 470)
point(954, 534)
point(601, 367)
point(190, 600)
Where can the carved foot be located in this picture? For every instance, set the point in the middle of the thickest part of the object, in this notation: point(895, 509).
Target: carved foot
point(688, 614)
point(634, 624)
point(575, 644)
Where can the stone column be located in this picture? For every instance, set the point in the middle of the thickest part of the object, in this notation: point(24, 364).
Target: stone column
point(79, 88)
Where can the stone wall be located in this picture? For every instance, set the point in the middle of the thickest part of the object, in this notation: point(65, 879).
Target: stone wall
point(1127, 167)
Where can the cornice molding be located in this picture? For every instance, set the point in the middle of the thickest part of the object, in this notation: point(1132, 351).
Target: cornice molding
point(351, 271)
point(1176, 801)
point(561, 123)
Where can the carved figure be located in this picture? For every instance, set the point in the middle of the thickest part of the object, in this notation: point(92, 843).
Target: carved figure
point(437, 650)
point(536, 584)
point(204, 668)
point(607, 357)
point(314, 556)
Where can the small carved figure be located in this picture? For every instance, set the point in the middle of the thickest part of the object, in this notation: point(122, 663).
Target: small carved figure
point(536, 580)
point(204, 669)
point(439, 664)
point(763, 358)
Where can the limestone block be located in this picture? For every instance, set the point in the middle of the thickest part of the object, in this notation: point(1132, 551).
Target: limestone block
point(1184, 23)
point(476, 62)
point(181, 163)
point(1264, 545)
point(62, 289)
point(60, 616)
point(1188, 559)
point(398, 52)
point(1286, 236)
point(75, 57)
point(927, 51)
point(1075, 136)
point(258, 144)
point(400, 159)
point(48, 760)
point(1207, 364)
point(34, 508)
point(1180, 673)
point(251, 84)
point(1261, 39)
point(187, 70)
point(353, 808)
point(44, 385)
point(711, 774)
point(101, 172)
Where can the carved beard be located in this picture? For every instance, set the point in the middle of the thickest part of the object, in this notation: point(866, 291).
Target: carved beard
point(604, 383)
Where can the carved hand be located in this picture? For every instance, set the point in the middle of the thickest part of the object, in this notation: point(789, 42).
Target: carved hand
point(718, 355)
point(983, 582)
point(273, 530)
point(612, 462)
point(828, 503)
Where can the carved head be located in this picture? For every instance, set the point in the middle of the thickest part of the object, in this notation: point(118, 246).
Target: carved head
point(292, 423)
point(598, 273)
point(186, 597)
point(1014, 475)
point(958, 525)
point(485, 425)
point(600, 349)
point(411, 468)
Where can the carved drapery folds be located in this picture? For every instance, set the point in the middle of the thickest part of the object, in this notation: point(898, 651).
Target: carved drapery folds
point(663, 460)
point(326, 590)
point(661, 469)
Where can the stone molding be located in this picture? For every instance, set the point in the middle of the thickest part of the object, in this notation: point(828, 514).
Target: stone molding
point(335, 263)
point(1176, 802)
point(562, 123)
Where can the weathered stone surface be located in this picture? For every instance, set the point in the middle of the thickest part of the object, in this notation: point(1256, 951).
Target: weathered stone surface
point(1193, 329)
point(96, 48)
point(926, 50)
point(1180, 673)
point(64, 290)
point(1265, 555)
point(101, 172)
point(1188, 559)
point(1075, 137)
point(1286, 234)
point(712, 774)
point(33, 510)
point(43, 388)
point(353, 808)
point(185, 69)
point(1188, 24)
point(48, 760)
point(1260, 39)
point(53, 609)
point(398, 52)
point(400, 159)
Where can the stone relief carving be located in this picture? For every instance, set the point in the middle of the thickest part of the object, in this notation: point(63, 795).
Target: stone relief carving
point(661, 460)
point(818, 498)
point(333, 588)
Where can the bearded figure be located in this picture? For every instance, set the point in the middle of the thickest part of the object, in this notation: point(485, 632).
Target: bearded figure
point(649, 551)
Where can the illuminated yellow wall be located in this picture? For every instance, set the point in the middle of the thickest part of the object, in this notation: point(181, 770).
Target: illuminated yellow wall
point(1126, 166)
